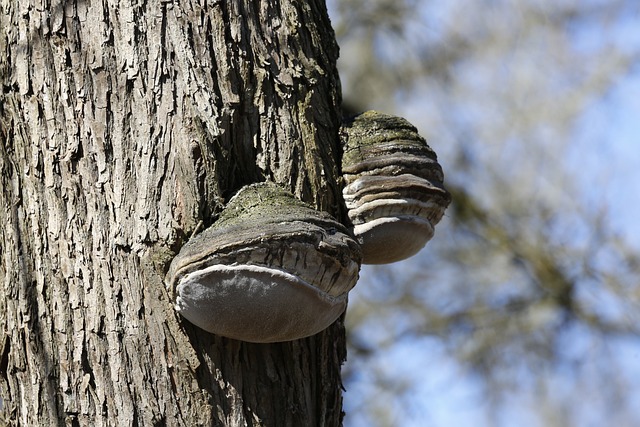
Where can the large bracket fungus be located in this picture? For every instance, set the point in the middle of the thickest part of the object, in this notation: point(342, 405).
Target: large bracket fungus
point(269, 269)
point(393, 186)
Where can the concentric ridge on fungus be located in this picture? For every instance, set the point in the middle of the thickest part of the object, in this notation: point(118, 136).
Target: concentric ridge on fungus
point(269, 269)
point(393, 186)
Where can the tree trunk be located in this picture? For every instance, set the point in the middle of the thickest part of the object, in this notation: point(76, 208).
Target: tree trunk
point(125, 127)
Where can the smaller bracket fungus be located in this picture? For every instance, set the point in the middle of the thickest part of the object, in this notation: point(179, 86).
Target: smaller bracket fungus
point(393, 186)
point(269, 269)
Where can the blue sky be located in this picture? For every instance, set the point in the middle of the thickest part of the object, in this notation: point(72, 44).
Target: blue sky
point(604, 159)
point(615, 144)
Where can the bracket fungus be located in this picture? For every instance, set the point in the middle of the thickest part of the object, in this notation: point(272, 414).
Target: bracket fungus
point(393, 186)
point(270, 269)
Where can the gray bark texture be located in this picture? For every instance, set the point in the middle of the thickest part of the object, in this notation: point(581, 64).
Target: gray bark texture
point(124, 128)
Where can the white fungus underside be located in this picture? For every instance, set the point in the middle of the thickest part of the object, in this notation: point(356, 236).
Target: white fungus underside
point(390, 239)
point(255, 303)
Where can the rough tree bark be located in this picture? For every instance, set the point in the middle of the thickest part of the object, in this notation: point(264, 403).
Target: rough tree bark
point(124, 128)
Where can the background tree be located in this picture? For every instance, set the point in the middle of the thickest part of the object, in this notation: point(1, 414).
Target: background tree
point(534, 302)
point(123, 125)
